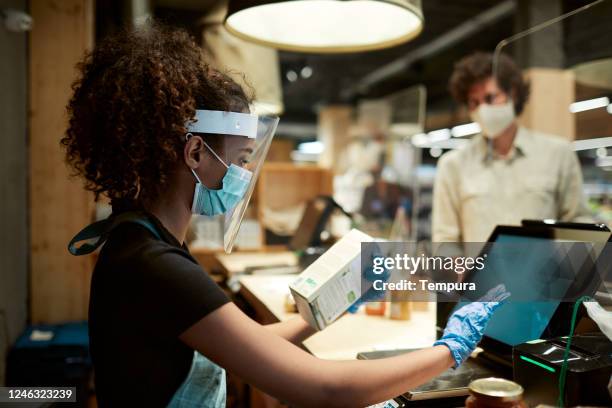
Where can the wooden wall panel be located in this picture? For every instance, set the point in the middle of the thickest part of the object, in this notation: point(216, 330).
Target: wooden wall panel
point(333, 125)
point(552, 91)
point(59, 285)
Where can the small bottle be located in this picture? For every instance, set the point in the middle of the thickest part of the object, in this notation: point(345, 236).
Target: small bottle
point(400, 306)
point(401, 228)
point(400, 300)
point(495, 393)
point(375, 308)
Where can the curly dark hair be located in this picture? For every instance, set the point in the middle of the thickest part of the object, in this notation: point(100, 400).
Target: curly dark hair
point(127, 115)
point(478, 67)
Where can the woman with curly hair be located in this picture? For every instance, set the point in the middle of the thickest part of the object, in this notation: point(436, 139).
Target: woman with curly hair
point(163, 136)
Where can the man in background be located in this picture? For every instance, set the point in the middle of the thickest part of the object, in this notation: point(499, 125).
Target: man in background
point(507, 173)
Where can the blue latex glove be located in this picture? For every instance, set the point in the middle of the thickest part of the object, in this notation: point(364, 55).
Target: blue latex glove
point(466, 326)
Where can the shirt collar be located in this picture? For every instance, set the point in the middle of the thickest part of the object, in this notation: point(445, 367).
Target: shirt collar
point(522, 141)
point(520, 145)
point(165, 234)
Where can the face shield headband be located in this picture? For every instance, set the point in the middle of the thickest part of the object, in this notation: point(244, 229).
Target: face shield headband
point(224, 123)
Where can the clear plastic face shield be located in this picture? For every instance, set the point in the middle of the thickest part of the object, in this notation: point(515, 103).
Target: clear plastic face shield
point(236, 145)
point(550, 55)
point(567, 59)
point(568, 63)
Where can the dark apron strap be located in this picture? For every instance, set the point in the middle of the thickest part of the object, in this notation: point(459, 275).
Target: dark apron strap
point(97, 233)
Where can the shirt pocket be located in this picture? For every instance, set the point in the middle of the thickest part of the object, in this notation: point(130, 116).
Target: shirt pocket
point(540, 195)
point(540, 185)
point(474, 190)
point(476, 199)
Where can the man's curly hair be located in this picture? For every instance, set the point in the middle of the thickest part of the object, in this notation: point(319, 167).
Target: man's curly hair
point(127, 115)
point(479, 67)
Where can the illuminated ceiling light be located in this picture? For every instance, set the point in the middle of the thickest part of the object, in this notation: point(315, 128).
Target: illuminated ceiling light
point(311, 147)
point(589, 104)
point(439, 135)
point(609, 109)
point(466, 129)
point(587, 144)
point(435, 152)
point(326, 26)
point(306, 72)
point(601, 152)
point(420, 139)
point(292, 76)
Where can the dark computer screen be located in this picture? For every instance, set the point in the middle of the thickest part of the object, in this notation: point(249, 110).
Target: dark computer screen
point(525, 275)
point(535, 268)
point(313, 222)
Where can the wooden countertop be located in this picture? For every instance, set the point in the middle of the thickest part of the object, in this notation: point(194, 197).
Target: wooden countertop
point(238, 262)
point(352, 333)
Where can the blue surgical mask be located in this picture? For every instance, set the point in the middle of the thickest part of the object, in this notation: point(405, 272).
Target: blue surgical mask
point(211, 202)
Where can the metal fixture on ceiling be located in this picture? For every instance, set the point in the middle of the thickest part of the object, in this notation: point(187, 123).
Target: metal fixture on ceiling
point(442, 42)
point(313, 25)
point(137, 12)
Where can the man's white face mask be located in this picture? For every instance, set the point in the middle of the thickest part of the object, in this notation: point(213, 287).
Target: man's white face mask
point(494, 119)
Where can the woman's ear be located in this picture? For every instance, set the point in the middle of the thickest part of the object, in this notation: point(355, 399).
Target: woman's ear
point(192, 152)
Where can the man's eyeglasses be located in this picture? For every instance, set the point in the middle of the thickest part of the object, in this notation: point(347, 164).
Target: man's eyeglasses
point(489, 98)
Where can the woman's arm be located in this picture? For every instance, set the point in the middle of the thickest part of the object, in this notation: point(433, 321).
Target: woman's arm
point(234, 341)
point(295, 330)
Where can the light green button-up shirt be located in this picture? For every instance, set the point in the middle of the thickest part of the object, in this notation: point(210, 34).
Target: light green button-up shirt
point(475, 189)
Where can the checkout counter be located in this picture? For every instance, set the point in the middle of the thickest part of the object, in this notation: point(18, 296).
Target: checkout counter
point(366, 336)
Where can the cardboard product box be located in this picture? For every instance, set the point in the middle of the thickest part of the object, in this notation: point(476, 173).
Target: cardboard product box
point(331, 284)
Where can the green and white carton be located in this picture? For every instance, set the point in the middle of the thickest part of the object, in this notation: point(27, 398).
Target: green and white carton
point(332, 283)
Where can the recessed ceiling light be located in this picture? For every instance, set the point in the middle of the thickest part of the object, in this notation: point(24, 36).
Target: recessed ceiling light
point(306, 72)
point(292, 76)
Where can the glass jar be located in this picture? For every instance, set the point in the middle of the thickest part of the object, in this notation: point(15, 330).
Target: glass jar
point(495, 393)
point(375, 308)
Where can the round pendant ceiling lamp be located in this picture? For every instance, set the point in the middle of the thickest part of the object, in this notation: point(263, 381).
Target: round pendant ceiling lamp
point(326, 26)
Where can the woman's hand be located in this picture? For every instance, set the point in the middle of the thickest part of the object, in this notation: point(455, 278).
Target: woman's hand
point(466, 326)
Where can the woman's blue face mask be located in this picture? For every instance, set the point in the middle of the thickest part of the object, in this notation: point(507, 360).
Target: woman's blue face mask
point(211, 202)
